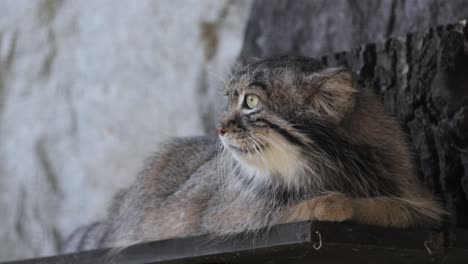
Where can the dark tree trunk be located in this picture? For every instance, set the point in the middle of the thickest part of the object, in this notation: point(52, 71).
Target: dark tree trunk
point(421, 77)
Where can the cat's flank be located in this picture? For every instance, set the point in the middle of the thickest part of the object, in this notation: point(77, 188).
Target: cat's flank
point(298, 141)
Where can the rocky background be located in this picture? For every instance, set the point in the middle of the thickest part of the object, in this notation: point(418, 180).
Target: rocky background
point(89, 88)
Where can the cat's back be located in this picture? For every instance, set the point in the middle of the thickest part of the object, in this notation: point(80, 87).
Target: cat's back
point(147, 205)
point(176, 161)
point(175, 187)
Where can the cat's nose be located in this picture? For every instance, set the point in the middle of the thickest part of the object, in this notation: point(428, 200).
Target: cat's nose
point(221, 130)
point(229, 124)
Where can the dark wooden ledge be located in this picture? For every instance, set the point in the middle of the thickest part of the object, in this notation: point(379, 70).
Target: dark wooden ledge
point(302, 242)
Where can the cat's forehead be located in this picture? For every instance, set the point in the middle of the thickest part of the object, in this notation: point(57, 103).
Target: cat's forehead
point(249, 76)
point(264, 77)
point(284, 70)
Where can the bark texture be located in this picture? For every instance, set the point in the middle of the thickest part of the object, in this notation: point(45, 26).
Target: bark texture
point(421, 77)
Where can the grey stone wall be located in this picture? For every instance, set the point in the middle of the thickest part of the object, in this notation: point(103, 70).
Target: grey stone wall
point(320, 27)
point(87, 90)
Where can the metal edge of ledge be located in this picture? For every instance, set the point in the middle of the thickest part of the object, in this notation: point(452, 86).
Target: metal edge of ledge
point(299, 242)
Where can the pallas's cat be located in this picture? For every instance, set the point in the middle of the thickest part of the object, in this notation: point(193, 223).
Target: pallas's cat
point(297, 141)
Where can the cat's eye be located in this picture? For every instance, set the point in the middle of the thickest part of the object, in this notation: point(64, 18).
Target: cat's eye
point(251, 100)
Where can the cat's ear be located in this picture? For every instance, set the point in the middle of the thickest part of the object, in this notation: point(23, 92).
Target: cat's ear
point(333, 92)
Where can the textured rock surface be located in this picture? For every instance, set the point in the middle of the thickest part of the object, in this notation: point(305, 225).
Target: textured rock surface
point(87, 90)
point(421, 77)
point(319, 27)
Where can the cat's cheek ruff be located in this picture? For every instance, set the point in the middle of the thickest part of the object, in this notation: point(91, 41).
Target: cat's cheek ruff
point(277, 156)
point(280, 159)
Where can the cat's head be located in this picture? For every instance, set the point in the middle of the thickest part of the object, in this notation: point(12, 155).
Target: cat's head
point(271, 101)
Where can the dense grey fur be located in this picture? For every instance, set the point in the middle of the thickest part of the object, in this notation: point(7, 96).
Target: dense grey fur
point(315, 147)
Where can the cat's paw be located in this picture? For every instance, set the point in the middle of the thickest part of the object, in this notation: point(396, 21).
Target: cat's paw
point(335, 207)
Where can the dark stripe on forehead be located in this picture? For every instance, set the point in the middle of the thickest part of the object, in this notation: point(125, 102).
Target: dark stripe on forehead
point(283, 132)
point(259, 80)
point(259, 76)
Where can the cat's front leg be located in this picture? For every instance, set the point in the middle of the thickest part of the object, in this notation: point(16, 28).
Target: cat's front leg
point(335, 207)
point(382, 211)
